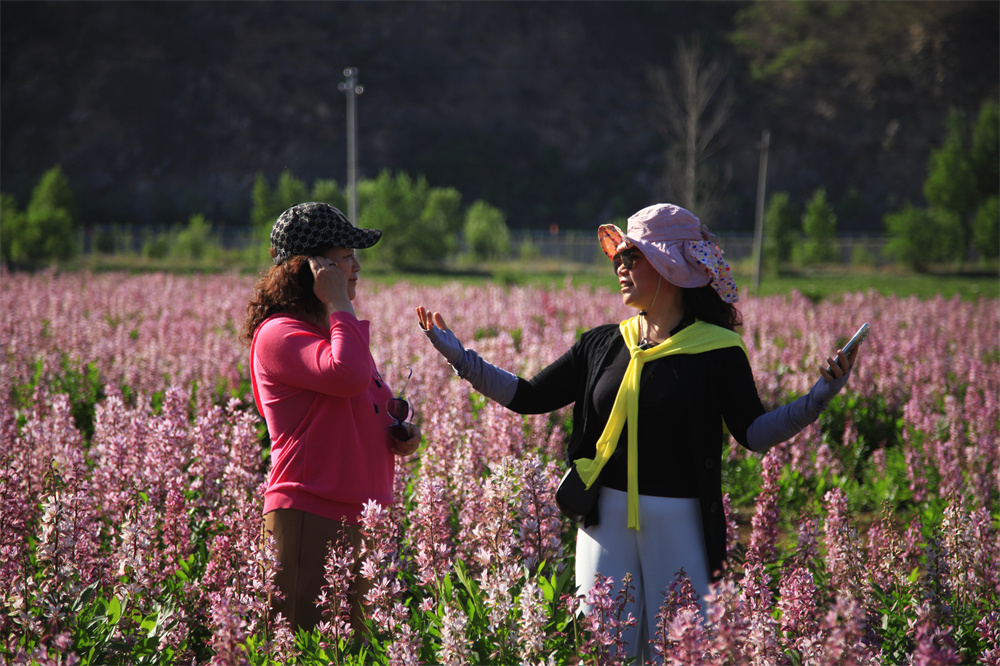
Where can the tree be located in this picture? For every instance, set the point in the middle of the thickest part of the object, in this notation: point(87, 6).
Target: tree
point(951, 183)
point(693, 103)
point(289, 191)
point(328, 191)
point(800, 48)
point(418, 222)
point(986, 229)
point(962, 186)
point(46, 231)
point(486, 231)
point(984, 152)
point(441, 217)
point(986, 165)
point(851, 206)
point(261, 209)
point(819, 223)
point(11, 221)
point(781, 228)
point(267, 205)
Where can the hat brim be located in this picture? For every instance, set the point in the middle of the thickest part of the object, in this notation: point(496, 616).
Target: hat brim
point(666, 258)
point(366, 238)
point(669, 260)
point(610, 237)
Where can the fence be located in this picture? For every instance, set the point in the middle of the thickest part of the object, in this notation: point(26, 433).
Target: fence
point(582, 247)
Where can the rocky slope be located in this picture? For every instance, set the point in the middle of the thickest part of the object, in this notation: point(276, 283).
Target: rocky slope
point(157, 110)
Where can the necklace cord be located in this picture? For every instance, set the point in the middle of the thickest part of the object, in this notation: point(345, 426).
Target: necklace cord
point(646, 343)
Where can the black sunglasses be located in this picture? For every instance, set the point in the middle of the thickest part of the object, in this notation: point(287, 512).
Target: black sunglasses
point(399, 411)
point(626, 258)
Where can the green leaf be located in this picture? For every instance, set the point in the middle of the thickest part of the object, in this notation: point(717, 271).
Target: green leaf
point(114, 610)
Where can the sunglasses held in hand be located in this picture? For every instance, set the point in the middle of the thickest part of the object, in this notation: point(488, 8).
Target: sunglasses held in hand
point(399, 411)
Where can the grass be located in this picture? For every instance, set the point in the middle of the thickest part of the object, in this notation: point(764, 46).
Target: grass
point(818, 284)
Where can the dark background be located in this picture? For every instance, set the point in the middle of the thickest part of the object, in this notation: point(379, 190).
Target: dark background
point(159, 110)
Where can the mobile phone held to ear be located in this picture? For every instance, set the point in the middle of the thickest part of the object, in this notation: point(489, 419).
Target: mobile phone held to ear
point(858, 338)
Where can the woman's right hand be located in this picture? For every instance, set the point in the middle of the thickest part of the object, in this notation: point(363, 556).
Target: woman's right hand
point(440, 335)
point(493, 382)
point(429, 319)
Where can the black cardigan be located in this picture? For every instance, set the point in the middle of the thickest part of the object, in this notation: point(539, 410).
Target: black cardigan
point(716, 385)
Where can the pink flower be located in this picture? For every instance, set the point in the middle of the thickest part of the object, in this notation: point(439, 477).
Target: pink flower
point(764, 534)
point(531, 622)
point(934, 644)
point(455, 646)
point(797, 603)
point(604, 622)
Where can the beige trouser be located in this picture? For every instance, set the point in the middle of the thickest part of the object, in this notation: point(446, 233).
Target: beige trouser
point(303, 541)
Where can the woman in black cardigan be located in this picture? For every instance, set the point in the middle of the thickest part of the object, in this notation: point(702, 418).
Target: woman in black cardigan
point(651, 397)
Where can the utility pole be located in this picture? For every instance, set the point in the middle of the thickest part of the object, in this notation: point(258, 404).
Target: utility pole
point(758, 232)
point(349, 86)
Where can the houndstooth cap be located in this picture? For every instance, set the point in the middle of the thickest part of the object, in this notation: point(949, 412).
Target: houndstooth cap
point(311, 226)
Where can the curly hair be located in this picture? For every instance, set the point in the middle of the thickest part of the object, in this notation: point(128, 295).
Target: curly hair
point(285, 288)
point(705, 303)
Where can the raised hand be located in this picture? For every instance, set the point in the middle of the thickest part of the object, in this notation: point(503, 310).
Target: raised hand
point(330, 284)
point(428, 319)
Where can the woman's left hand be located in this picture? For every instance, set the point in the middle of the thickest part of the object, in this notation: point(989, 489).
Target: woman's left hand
point(839, 366)
point(405, 448)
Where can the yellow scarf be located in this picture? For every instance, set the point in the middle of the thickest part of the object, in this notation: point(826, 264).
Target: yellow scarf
point(697, 338)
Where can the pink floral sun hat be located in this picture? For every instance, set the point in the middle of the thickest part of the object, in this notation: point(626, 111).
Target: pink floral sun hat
point(677, 245)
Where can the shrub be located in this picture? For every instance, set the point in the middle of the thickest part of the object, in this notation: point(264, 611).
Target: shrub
point(194, 241)
point(104, 242)
point(919, 237)
point(156, 246)
point(862, 256)
point(528, 250)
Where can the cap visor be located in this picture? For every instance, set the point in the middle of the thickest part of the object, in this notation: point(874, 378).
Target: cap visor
point(368, 238)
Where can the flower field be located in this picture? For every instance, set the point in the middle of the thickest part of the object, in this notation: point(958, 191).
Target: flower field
point(133, 461)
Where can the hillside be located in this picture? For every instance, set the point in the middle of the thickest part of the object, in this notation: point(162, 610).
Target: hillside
point(157, 110)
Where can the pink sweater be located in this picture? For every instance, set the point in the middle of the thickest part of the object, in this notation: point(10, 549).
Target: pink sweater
point(324, 404)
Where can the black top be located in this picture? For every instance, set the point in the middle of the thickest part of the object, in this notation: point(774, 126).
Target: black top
point(683, 400)
point(676, 398)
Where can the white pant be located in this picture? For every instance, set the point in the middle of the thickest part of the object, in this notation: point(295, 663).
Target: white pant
point(670, 537)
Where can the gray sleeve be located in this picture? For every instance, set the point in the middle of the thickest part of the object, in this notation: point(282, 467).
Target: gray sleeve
point(493, 382)
point(788, 420)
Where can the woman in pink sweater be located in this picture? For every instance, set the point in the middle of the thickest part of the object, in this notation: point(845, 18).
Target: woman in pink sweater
point(325, 404)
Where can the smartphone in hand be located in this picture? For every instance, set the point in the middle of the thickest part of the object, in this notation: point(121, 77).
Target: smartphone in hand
point(858, 338)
